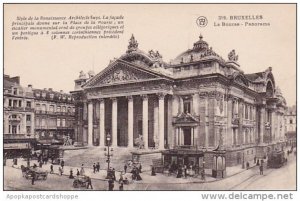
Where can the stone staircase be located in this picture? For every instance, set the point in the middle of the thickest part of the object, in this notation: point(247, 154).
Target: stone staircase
point(147, 158)
point(91, 155)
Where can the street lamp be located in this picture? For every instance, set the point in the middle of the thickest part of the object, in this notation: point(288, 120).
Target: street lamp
point(203, 170)
point(108, 154)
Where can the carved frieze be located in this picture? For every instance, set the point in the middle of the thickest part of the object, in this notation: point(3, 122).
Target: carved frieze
point(119, 75)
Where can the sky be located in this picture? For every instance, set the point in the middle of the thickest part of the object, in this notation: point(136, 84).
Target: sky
point(170, 29)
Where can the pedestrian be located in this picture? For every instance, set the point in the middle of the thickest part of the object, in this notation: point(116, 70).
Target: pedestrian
point(71, 174)
point(203, 175)
point(114, 174)
point(247, 165)
point(98, 167)
point(140, 168)
point(111, 184)
point(153, 171)
point(261, 169)
point(121, 186)
point(78, 173)
point(125, 168)
point(62, 164)
point(254, 159)
point(41, 164)
point(60, 171)
point(94, 168)
point(82, 172)
point(179, 173)
point(51, 169)
point(33, 178)
point(89, 183)
point(185, 171)
point(257, 162)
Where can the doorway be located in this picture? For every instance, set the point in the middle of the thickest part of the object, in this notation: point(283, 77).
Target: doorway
point(187, 136)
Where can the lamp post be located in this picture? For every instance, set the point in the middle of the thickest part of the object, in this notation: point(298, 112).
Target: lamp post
point(108, 154)
point(203, 170)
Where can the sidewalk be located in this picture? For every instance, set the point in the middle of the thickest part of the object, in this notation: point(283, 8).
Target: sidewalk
point(146, 176)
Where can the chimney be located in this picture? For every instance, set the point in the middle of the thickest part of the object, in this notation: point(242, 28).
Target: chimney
point(30, 86)
point(50, 89)
point(61, 91)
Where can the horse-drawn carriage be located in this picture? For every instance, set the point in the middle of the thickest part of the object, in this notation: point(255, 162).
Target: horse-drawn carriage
point(37, 173)
point(80, 181)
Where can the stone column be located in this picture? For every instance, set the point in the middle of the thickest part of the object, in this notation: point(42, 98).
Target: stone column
point(262, 124)
point(32, 124)
point(206, 121)
point(102, 122)
point(180, 104)
point(229, 122)
point(130, 121)
point(273, 116)
point(196, 104)
point(114, 122)
point(161, 114)
point(145, 120)
point(155, 122)
point(90, 123)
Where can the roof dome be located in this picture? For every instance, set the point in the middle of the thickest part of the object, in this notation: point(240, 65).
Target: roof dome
point(201, 51)
point(200, 44)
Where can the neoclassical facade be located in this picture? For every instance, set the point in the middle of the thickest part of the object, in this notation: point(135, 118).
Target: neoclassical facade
point(196, 100)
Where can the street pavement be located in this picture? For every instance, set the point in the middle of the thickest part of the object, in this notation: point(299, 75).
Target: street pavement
point(273, 179)
point(283, 178)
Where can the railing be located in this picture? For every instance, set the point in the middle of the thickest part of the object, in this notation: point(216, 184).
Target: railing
point(192, 147)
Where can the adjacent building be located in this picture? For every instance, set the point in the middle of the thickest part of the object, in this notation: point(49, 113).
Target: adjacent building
point(34, 115)
point(198, 101)
point(291, 125)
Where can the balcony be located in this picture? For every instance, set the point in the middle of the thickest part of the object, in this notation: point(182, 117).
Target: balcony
point(29, 109)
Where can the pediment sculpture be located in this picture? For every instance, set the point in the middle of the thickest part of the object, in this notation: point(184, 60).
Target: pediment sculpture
point(119, 76)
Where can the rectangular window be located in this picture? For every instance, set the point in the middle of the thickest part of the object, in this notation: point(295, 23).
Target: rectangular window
point(20, 103)
point(15, 103)
point(58, 122)
point(37, 106)
point(9, 102)
point(28, 129)
point(28, 117)
point(187, 107)
point(15, 90)
point(28, 104)
point(44, 107)
point(14, 130)
point(43, 123)
point(246, 112)
point(63, 122)
point(51, 108)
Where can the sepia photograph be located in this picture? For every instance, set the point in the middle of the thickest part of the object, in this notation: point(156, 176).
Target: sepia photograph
point(149, 97)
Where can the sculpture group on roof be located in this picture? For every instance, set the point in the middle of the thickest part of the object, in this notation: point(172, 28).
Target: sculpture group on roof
point(232, 56)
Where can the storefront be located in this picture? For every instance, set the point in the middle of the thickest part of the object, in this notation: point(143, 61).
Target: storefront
point(175, 158)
